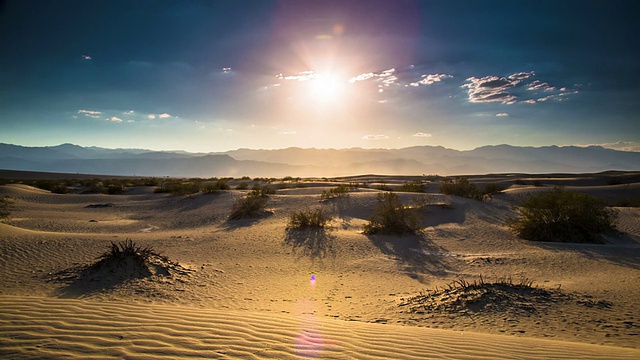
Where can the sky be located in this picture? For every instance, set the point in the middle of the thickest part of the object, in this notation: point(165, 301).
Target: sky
point(210, 76)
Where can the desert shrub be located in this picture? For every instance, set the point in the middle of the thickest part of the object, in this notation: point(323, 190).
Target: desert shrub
point(336, 192)
point(519, 182)
point(251, 205)
point(308, 219)
point(242, 186)
point(391, 217)
point(5, 203)
point(215, 187)
point(537, 183)
point(460, 187)
point(413, 186)
point(126, 249)
point(563, 216)
point(179, 187)
point(491, 189)
point(383, 186)
point(262, 190)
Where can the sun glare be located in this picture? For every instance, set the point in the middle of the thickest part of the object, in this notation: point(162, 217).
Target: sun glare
point(326, 87)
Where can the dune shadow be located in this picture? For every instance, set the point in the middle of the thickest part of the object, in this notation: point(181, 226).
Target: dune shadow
point(244, 222)
point(416, 254)
point(622, 249)
point(314, 243)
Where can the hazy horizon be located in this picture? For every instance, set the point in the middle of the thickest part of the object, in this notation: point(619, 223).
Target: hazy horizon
point(207, 77)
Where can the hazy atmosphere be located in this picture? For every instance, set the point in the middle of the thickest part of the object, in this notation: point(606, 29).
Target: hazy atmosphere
point(206, 76)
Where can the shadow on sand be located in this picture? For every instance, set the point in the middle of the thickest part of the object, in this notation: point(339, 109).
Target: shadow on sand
point(416, 254)
point(314, 243)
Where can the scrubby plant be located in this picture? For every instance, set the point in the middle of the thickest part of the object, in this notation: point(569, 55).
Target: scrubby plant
point(242, 186)
point(315, 218)
point(491, 189)
point(460, 187)
point(5, 203)
point(251, 205)
point(262, 190)
point(563, 216)
point(127, 249)
point(392, 217)
point(337, 192)
point(217, 186)
point(177, 187)
point(413, 186)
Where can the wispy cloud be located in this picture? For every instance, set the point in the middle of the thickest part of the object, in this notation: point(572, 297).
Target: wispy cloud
point(428, 79)
point(619, 145)
point(291, 132)
point(375, 137)
point(114, 119)
point(301, 76)
point(421, 134)
point(89, 112)
point(502, 89)
point(86, 57)
point(491, 89)
point(164, 116)
point(151, 116)
point(503, 114)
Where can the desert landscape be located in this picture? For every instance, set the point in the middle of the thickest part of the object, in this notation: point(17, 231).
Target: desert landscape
point(464, 286)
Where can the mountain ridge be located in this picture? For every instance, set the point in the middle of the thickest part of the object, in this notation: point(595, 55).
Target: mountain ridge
point(309, 162)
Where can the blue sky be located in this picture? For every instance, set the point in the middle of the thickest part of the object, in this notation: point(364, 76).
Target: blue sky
point(207, 76)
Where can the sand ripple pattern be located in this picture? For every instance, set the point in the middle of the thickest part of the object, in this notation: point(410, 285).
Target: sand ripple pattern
point(47, 328)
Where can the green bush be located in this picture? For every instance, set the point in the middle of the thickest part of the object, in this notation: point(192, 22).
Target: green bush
point(251, 205)
point(413, 186)
point(336, 192)
point(308, 219)
point(242, 186)
point(5, 203)
point(563, 216)
point(460, 187)
point(262, 190)
point(391, 217)
point(219, 185)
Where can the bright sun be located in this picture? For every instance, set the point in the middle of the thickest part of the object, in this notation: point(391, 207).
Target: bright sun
point(326, 87)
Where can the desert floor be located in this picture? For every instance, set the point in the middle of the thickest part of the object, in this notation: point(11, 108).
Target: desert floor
point(244, 289)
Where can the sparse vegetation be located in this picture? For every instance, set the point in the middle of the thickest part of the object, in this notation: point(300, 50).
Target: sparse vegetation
point(5, 203)
point(242, 186)
point(216, 187)
point(127, 249)
point(460, 187)
point(413, 186)
point(180, 188)
point(392, 217)
point(315, 218)
point(251, 205)
point(337, 192)
point(262, 191)
point(563, 216)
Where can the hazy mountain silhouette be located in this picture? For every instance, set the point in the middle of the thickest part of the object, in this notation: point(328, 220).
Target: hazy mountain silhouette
point(316, 162)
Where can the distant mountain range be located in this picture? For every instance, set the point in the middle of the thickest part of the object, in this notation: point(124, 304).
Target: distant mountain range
point(417, 160)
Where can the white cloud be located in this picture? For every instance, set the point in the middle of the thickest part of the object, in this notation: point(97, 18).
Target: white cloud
point(421, 134)
point(164, 116)
point(428, 79)
point(620, 145)
point(151, 116)
point(521, 75)
point(86, 57)
point(114, 119)
point(287, 132)
point(537, 85)
point(530, 101)
point(89, 112)
point(375, 137)
point(491, 89)
point(362, 77)
point(130, 112)
point(502, 114)
point(301, 76)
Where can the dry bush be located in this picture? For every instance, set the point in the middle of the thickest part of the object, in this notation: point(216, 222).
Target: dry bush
point(392, 217)
point(251, 205)
point(315, 218)
point(563, 216)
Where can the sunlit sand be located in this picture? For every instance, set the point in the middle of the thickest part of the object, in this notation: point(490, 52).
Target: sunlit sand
point(251, 288)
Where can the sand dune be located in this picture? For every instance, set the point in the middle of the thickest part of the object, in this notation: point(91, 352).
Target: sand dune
point(243, 289)
point(52, 328)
